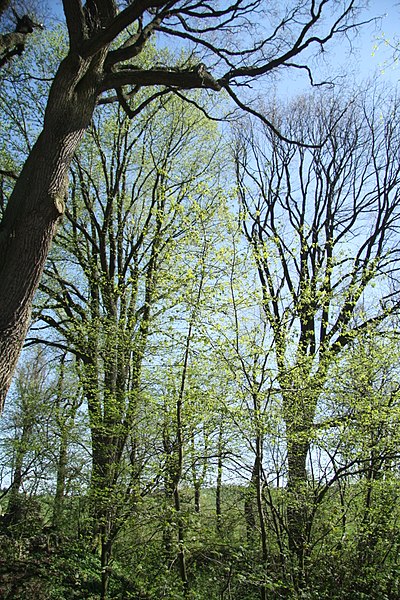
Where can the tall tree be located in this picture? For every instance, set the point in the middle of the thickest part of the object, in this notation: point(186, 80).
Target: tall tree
point(323, 225)
point(134, 195)
point(104, 40)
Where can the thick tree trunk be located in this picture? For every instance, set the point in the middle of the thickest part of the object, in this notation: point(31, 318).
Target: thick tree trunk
point(298, 502)
point(106, 550)
point(37, 202)
point(105, 500)
point(299, 413)
point(25, 240)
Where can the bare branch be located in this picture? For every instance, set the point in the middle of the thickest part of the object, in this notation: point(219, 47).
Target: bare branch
point(199, 78)
point(136, 45)
point(200, 108)
point(131, 113)
point(264, 119)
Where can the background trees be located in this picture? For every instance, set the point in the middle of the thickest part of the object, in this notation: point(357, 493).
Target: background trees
point(322, 222)
point(12, 42)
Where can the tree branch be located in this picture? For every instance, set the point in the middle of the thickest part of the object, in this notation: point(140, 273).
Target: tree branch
point(199, 78)
point(11, 44)
point(136, 45)
point(131, 113)
point(262, 118)
point(120, 22)
point(75, 19)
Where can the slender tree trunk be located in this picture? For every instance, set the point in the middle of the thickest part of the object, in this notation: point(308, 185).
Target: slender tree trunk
point(277, 526)
point(60, 484)
point(178, 474)
point(13, 513)
point(218, 507)
point(371, 524)
point(198, 477)
point(167, 534)
point(181, 540)
point(260, 508)
point(64, 431)
point(197, 488)
point(249, 516)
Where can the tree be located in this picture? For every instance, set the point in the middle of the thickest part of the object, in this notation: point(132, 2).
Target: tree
point(102, 41)
point(323, 225)
point(30, 421)
point(68, 399)
point(29, 393)
point(135, 196)
point(362, 399)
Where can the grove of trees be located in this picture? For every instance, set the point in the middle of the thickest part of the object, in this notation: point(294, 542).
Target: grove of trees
point(203, 274)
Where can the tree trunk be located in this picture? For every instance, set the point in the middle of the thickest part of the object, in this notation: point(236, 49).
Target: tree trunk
point(106, 550)
point(298, 502)
point(181, 541)
point(299, 416)
point(197, 488)
point(218, 507)
point(37, 202)
point(249, 516)
point(24, 244)
point(13, 513)
point(260, 508)
point(60, 485)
